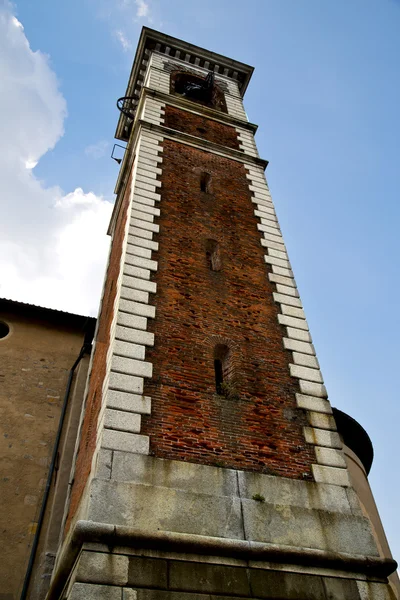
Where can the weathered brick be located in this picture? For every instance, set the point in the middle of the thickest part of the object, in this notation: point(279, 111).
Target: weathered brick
point(197, 308)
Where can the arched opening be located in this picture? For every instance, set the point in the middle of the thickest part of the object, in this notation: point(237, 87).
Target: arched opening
point(4, 329)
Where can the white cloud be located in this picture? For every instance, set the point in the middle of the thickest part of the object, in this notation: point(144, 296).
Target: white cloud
point(142, 9)
point(123, 40)
point(97, 150)
point(53, 245)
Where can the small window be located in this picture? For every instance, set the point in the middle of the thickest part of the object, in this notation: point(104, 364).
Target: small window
point(219, 377)
point(205, 179)
point(222, 368)
point(4, 329)
point(213, 255)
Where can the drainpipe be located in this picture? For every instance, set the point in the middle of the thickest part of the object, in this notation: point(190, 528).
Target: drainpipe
point(86, 348)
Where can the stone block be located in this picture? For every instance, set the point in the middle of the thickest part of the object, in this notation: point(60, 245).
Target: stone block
point(131, 366)
point(125, 383)
point(142, 215)
point(90, 591)
point(146, 172)
point(134, 271)
point(141, 224)
point(146, 194)
point(208, 578)
point(266, 219)
point(304, 528)
point(129, 350)
point(301, 335)
point(322, 437)
point(99, 567)
point(141, 243)
point(312, 389)
point(272, 244)
point(136, 336)
point(281, 585)
point(146, 179)
point(139, 249)
point(178, 475)
point(272, 260)
point(146, 594)
point(276, 237)
point(133, 321)
point(330, 457)
point(163, 509)
point(371, 590)
point(104, 463)
point(259, 190)
point(148, 572)
point(286, 273)
point(332, 475)
point(321, 421)
point(129, 594)
point(139, 284)
point(297, 346)
point(306, 360)
point(313, 403)
point(288, 300)
point(152, 155)
point(148, 162)
point(267, 229)
point(283, 493)
point(286, 281)
point(340, 589)
point(306, 373)
point(278, 254)
point(125, 442)
point(137, 308)
point(291, 525)
point(129, 402)
point(143, 263)
point(134, 295)
point(136, 233)
point(264, 207)
point(122, 421)
point(287, 290)
point(293, 322)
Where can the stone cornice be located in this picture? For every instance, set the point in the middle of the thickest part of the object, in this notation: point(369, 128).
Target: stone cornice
point(193, 107)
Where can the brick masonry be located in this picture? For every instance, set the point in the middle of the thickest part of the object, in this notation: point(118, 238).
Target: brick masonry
point(197, 308)
point(199, 126)
point(88, 436)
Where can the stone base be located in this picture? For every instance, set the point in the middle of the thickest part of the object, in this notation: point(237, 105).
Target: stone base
point(167, 530)
point(104, 576)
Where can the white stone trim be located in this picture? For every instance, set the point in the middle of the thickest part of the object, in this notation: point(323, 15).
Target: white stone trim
point(330, 466)
point(123, 400)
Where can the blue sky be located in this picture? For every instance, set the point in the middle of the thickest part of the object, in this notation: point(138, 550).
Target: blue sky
point(325, 94)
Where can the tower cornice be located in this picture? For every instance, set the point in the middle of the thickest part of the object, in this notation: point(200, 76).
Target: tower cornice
point(151, 40)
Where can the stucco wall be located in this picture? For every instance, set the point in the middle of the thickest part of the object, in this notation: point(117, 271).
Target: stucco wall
point(35, 361)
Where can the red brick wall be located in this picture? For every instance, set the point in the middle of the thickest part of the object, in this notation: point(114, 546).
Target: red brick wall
point(201, 127)
point(260, 428)
point(98, 372)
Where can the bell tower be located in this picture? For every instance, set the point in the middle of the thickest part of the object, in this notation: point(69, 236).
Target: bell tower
point(208, 462)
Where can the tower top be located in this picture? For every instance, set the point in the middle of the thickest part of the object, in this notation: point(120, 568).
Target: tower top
point(154, 41)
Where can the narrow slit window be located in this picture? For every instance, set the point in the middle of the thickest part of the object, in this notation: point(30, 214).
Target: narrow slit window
point(219, 375)
point(222, 368)
point(213, 255)
point(205, 179)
